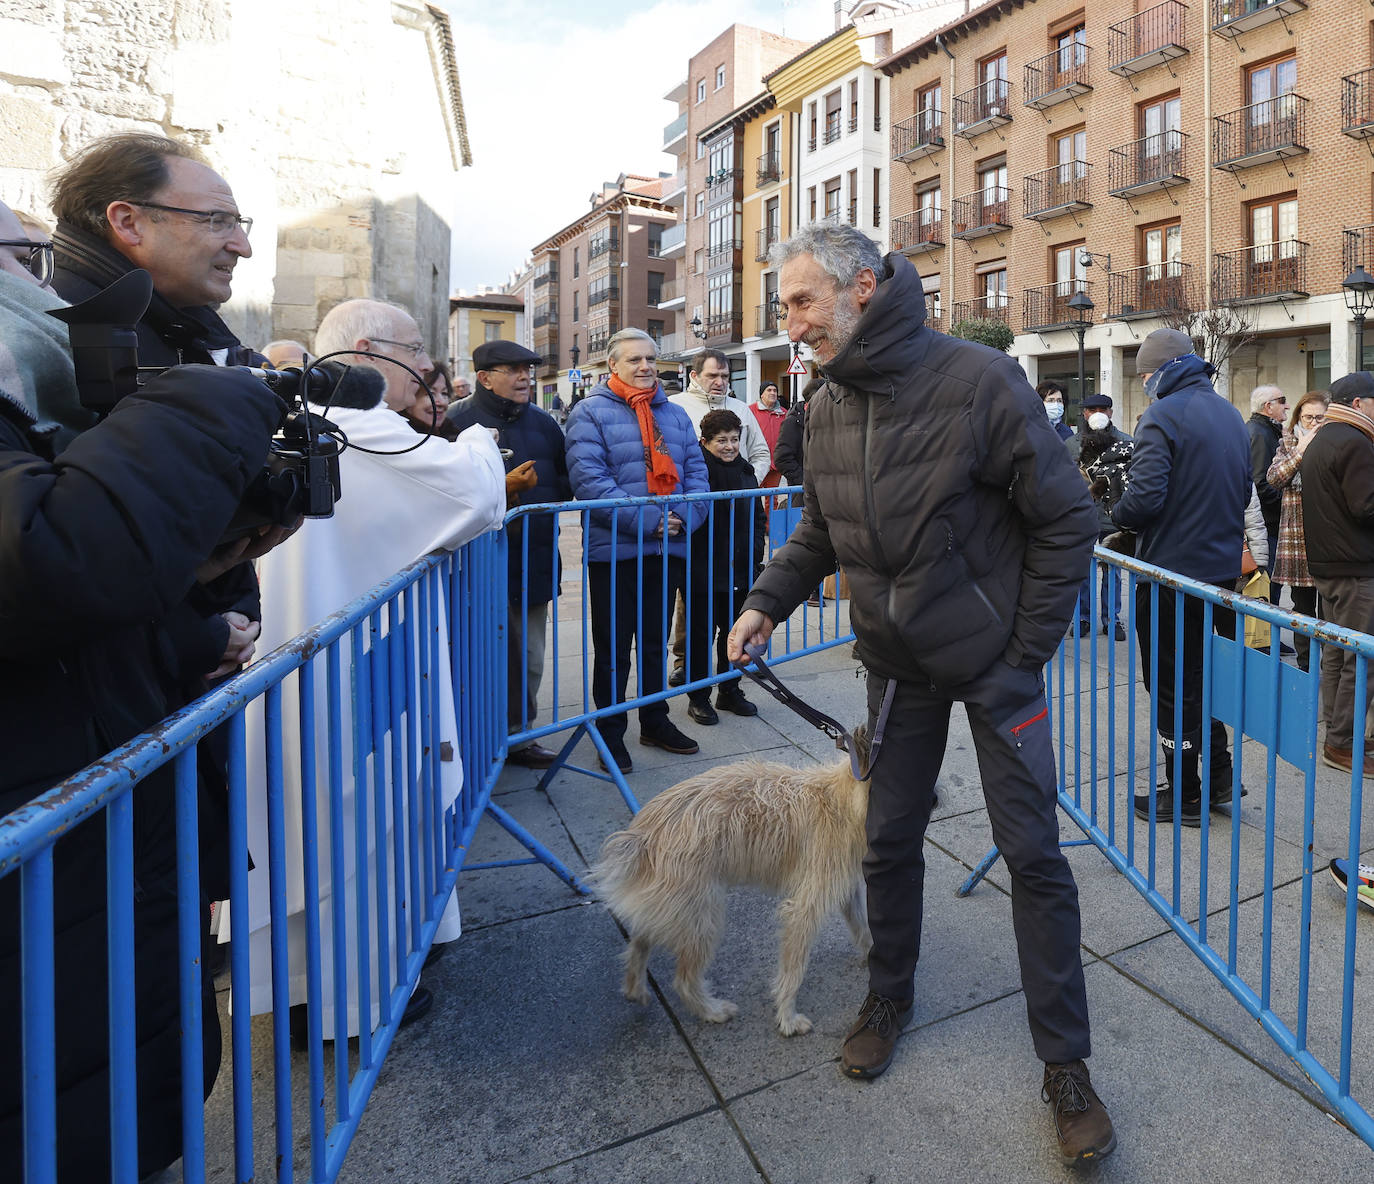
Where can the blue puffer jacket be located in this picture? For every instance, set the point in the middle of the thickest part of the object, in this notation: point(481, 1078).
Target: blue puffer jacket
point(606, 460)
point(1189, 480)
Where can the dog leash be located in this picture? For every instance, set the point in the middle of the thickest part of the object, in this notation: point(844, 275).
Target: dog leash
point(844, 739)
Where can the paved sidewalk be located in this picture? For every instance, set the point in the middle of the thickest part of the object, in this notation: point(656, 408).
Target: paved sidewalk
point(533, 1067)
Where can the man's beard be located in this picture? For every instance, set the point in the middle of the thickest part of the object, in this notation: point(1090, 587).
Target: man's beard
point(842, 325)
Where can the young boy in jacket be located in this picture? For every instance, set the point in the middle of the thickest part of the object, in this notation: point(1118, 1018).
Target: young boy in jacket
point(726, 550)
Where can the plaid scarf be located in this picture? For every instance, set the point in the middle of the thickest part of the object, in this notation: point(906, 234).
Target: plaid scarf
point(658, 462)
point(1342, 413)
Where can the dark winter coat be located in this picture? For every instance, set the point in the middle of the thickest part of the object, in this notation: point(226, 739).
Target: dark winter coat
point(934, 477)
point(736, 556)
point(1189, 480)
point(606, 460)
point(97, 546)
point(1338, 502)
point(1264, 442)
point(790, 454)
point(531, 434)
point(1117, 454)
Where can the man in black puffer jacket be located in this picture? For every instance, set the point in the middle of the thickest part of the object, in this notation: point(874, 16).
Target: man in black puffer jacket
point(934, 478)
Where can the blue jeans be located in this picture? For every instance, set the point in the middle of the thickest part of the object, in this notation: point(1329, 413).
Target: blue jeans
point(1109, 580)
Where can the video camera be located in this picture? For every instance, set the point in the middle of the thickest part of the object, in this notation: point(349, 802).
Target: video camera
point(301, 475)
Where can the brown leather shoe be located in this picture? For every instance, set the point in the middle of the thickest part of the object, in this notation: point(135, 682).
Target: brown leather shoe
point(1080, 1119)
point(869, 1045)
point(1344, 758)
point(531, 756)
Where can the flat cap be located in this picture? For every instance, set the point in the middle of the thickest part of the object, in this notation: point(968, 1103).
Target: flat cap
point(502, 353)
point(1358, 385)
point(1092, 402)
point(1160, 347)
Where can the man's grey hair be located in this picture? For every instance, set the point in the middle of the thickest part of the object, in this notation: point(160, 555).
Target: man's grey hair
point(346, 324)
point(1262, 395)
point(618, 339)
point(842, 251)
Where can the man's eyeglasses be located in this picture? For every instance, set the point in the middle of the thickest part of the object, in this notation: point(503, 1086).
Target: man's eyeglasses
point(222, 222)
point(515, 370)
point(37, 257)
point(413, 348)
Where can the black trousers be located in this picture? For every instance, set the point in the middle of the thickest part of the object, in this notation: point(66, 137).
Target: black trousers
point(1160, 683)
point(713, 611)
point(617, 586)
point(1011, 735)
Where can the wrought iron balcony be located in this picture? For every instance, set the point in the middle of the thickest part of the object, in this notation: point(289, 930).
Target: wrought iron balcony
point(1150, 38)
point(723, 326)
point(1147, 164)
point(723, 183)
point(1267, 271)
point(1151, 290)
point(1272, 130)
point(986, 106)
point(832, 126)
point(852, 213)
point(1357, 248)
point(933, 310)
point(767, 236)
point(545, 314)
point(1357, 105)
point(766, 319)
point(987, 211)
point(1058, 77)
point(919, 136)
point(1231, 18)
point(995, 307)
point(602, 246)
point(770, 168)
point(1047, 308)
point(1059, 189)
point(919, 232)
point(601, 295)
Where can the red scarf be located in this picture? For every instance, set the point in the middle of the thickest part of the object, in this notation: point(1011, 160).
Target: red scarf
point(658, 463)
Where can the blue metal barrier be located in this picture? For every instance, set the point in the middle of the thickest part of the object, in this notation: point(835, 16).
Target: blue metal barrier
point(1105, 724)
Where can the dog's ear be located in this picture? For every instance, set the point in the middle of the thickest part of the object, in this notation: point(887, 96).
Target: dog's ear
point(862, 742)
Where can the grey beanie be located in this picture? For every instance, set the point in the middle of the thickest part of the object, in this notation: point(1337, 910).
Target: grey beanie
point(1161, 346)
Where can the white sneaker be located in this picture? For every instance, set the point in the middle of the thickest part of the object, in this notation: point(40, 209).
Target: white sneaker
point(1340, 872)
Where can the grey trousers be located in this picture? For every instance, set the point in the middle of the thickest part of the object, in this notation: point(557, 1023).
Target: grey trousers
point(525, 663)
point(1348, 601)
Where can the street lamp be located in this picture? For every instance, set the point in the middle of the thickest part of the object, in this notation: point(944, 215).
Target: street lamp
point(1359, 299)
point(695, 324)
point(1082, 305)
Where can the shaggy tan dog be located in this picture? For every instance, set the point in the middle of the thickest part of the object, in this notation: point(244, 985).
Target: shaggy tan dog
point(797, 832)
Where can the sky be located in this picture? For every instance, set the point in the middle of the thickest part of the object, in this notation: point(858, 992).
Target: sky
point(562, 95)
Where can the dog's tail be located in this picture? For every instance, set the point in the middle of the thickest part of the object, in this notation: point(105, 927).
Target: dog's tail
point(621, 858)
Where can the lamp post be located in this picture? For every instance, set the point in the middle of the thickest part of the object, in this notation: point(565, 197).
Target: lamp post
point(1082, 306)
point(1359, 299)
point(695, 324)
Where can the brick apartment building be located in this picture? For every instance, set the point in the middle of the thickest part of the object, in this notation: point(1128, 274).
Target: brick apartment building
point(1163, 160)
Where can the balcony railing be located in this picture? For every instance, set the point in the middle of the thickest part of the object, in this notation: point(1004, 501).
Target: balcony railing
point(933, 311)
point(671, 290)
point(1267, 271)
point(672, 239)
point(766, 319)
point(1230, 18)
point(602, 246)
point(549, 361)
point(1151, 290)
point(1047, 308)
point(770, 168)
point(675, 135)
point(596, 344)
point(1058, 77)
point(723, 254)
point(852, 212)
point(1149, 163)
point(723, 183)
point(1254, 135)
point(1357, 105)
point(1059, 189)
point(1357, 248)
point(919, 136)
point(987, 211)
point(853, 123)
point(996, 307)
point(1150, 38)
point(672, 344)
point(546, 278)
point(723, 326)
point(986, 106)
point(597, 296)
point(545, 314)
point(832, 127)
point(918, 232)
point(767, 236)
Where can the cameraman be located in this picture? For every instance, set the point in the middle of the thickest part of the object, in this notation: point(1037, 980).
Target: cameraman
point(103, 527)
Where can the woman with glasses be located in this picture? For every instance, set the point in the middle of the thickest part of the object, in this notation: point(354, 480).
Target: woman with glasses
point(1290, 562)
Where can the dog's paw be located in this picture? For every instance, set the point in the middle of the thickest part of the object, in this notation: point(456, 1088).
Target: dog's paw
point(718, 1011)
point(636, 994)
point(794, 1025)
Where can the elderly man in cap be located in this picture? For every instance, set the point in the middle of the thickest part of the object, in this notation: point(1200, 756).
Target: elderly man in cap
point(1338, 515)
point(1189, 484)
point(1102, 451)
point(538, 472)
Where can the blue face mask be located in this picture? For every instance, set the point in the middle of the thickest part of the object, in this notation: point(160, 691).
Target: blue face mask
point(1152, 386)
point(1055, 411)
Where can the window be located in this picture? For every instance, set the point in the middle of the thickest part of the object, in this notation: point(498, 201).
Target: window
point(877, 198)
point(655, 330)
point(928, 102)
point(654, 239)
point(811, 139)
point(927, 212)
point(1068, 271)
point(992, 75)
point(1274, 227)
point(811, 200)
point(655, 288)
point(992, 180)
point(877, 104)
point(1071, 48)
point(992, 286)
point(1161, 251)
point(577, 316)
point(700, 204)
point(722, 156)
point(701, 91)
point(853, 104)
point(577, 262)
point(772, 220)
point(1158, 124)
point(1070, 154)
point(491, 330)
point(701, 149)
point(1272, 115)
point(832, 117)
point(720, 236)
point(720, 303)
point(930, 284)
point(853, 197)
point(772, 142)
point(720, 77)
point(832, 198)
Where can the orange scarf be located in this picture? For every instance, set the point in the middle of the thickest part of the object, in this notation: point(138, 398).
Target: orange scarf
point(658, 463)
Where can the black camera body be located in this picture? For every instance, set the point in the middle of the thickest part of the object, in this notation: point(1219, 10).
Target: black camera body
point(301, 475)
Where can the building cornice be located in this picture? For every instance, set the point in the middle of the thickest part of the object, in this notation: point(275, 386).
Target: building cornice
point(758, 105)
point(621, 203)
point(954, 31)
point(815, 66)
point(434, 24)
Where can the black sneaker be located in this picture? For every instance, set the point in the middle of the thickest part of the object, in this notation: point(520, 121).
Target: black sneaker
point(1164, 808)
point(1120, 631)
point(677, 677)
point(734, 702)
point(702, 713)
point(1080, 1119)
point(869, 1044)
point(619, 753)
point(667, 737)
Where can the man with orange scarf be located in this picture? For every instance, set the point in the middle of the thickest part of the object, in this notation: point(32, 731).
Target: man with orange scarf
point(626, 440)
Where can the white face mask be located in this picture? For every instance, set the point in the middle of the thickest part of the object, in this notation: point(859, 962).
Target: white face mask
point(1055, 411)
point(1099, 420)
